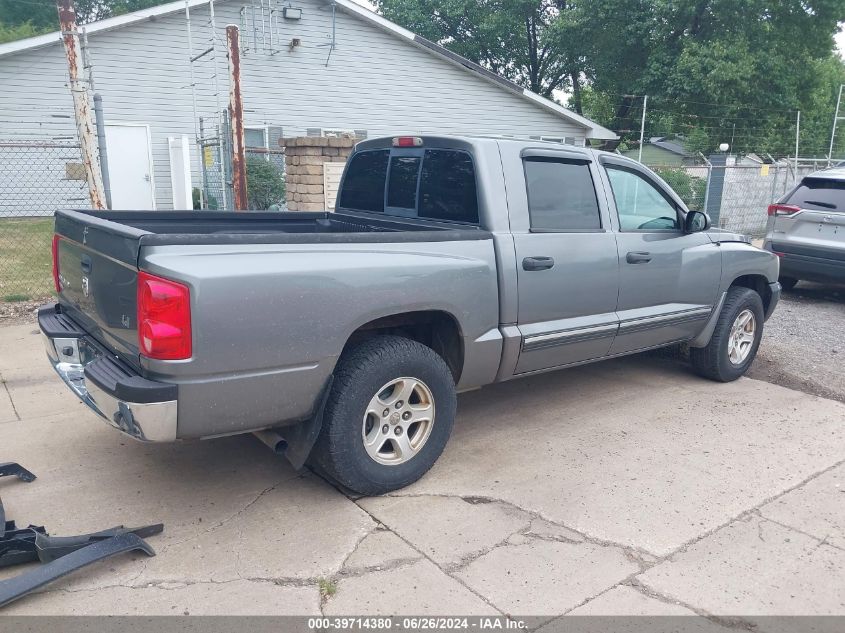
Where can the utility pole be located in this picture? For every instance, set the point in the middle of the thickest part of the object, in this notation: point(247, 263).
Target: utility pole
point(642, 130)
point(797, 132)
point(99, 121)
point(836, 118)
point(83, 111)
point(236, 114)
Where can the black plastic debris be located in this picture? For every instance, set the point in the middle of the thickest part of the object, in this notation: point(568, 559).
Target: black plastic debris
point(60, 555)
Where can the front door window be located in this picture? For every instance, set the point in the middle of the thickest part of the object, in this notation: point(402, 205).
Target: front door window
point(641, 206)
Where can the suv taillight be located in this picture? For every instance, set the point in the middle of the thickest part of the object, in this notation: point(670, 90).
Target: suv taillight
point(164, 318)
point(55, 249)
point(783, 209)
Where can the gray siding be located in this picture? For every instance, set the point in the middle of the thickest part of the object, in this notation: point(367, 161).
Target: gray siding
point(374, 81)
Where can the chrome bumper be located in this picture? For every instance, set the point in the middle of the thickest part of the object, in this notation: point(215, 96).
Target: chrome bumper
point(145, 421)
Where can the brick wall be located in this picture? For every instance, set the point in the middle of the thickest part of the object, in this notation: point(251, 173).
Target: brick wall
point(304, 160)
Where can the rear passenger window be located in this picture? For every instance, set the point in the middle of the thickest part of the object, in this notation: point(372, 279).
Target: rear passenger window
point(447, 187)
point(820, 195)
point(363, 185)
point(561, 195)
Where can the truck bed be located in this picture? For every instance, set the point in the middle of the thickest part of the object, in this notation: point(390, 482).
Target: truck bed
point(99, 253)
point(213, 227)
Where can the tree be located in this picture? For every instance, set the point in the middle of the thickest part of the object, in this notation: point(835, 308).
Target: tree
point(265, 183)
point(714, 70)
point(19, 32)
point(517, 39)
point(42, 15)
point(734, 71)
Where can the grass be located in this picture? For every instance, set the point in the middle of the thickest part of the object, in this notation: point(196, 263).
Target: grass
point(25, 258)
point(16, 298)
point(327, 588)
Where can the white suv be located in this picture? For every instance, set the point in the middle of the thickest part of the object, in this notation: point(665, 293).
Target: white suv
point(806, 229)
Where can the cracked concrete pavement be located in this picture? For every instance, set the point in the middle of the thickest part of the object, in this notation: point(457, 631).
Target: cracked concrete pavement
point(627, 487)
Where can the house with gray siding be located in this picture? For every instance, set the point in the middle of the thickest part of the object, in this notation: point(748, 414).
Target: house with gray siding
point(308, 67)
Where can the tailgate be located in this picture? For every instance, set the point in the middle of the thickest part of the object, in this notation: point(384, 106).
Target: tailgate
point(98, 270)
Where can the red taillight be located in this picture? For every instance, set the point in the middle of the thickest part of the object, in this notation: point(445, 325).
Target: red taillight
point(407, 141)
point(783, 209)
point(164, 318)
point(55, 249)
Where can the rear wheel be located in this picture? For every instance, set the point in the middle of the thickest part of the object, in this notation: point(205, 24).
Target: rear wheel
point(388, 417)
point(735, 341)
point(787, 283)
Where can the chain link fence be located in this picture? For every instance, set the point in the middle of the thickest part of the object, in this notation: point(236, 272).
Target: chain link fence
point(735, 196)
point(265, 178)
point(742, 193)
point(265, 169)
point(216, 151)
point(37, 176)
point(690, 183)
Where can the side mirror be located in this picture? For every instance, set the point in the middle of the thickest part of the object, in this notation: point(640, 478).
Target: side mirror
point(696, 221)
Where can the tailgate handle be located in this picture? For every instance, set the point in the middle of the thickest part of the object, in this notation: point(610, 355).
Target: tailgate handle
point(85, 262)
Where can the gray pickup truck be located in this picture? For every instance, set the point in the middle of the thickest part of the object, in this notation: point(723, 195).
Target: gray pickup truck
point(341, 338)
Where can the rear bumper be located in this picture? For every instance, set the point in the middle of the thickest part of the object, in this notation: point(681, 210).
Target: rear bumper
point(141, 408)
point(826, 266)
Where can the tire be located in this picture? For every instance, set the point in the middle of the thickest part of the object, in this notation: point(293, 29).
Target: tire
point(383, 367)
point(714, 360)
point(787, 283)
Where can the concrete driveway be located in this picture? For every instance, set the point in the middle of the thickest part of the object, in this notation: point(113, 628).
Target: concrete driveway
point(627, 487)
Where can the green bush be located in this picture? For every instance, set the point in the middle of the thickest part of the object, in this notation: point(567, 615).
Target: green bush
point(210, 201)
point(265, 184)
point(690, 188)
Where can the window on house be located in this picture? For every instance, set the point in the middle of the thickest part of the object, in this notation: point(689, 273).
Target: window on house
point(255, 137)
point(561, 195)
point(329, 132)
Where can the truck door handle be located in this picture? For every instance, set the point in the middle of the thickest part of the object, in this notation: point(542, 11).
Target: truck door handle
point(537, 263)
point(85, 262)
point(638, 257)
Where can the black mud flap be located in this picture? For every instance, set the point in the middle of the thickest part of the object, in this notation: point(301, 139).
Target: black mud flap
point(300, 438)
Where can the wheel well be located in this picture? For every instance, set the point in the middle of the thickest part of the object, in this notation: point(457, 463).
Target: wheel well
point(757, 283)
point(437, 329)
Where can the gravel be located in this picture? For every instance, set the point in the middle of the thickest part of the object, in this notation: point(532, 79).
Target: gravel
point(803, 343)
point(19, 312)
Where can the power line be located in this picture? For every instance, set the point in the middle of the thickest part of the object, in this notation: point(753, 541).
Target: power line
point(721, 105)
point(706, 116)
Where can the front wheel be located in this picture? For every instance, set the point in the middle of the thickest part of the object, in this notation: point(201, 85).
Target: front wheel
point(734, 343)
point(388, 417)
